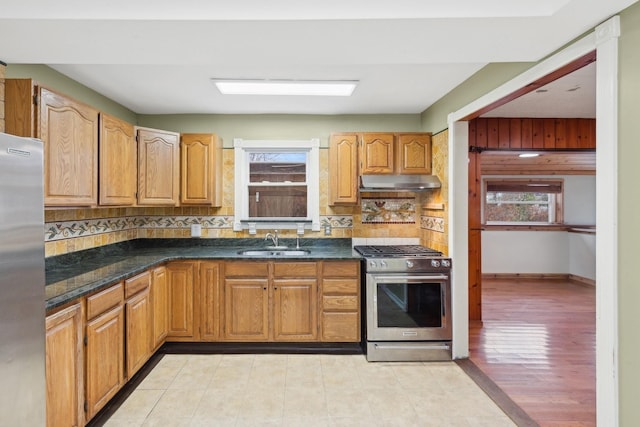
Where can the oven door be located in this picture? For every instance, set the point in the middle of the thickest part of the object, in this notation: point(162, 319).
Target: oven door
point(408, 307)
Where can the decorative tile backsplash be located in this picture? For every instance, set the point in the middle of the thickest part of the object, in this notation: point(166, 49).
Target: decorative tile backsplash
point(388, 210)
point(337, 221)
point(432, 223)
point(91, 227)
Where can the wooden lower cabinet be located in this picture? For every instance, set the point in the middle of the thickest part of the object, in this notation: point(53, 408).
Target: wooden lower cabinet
point(139, 322)
point(181, 277)
point(64, 367)
point(340, 303)
point(160, 304)
point(210, 294)
point(104, 347)
point(270, 301)
point(295, 301)
point(246, 308)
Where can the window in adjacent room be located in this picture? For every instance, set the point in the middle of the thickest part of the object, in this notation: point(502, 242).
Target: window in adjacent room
point(523, 201)
point(277, 184)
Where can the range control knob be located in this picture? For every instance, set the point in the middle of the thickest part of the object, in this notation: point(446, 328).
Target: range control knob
point(383, 264)
point(372, 264)
point(446, 263)
point(409, 264)
point(435, 263)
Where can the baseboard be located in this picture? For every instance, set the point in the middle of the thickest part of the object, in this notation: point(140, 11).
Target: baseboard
point(582, 280)
point(526, 276)
point(540, 276)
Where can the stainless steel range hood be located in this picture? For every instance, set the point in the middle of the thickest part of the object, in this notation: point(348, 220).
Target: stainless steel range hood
point(376, 183)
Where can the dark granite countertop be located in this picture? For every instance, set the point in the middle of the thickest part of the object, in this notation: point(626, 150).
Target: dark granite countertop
point(79, 273)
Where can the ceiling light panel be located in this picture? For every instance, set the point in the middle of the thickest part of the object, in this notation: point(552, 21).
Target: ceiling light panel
point(286, 87)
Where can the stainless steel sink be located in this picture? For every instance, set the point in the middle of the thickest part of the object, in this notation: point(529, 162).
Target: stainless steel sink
point(274, 252)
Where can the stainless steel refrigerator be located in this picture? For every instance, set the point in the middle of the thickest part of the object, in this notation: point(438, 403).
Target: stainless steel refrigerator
point(22, 282)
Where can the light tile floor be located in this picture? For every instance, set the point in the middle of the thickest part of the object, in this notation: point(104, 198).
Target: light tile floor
point(305, 390)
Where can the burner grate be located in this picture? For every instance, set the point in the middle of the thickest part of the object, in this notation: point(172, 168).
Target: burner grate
point(396, 251)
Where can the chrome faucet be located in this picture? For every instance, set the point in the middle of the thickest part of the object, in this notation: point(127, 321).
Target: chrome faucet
point(273, 236)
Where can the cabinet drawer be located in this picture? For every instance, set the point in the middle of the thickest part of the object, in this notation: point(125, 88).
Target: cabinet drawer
point(104, 300)
point(339, 303)
point(340, 286)
point(246, 269)
point(341, 327)
point(341, 269)
point(295, 269)
point(137, 283)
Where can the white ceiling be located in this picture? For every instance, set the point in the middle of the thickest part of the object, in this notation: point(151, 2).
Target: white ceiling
point(572, 96)
point(158, 56)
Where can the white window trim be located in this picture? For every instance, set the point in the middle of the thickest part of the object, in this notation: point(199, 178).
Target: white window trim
point(242, 148)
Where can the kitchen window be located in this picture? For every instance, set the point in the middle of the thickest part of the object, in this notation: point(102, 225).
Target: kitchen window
point(523, 201)
point(276, 184)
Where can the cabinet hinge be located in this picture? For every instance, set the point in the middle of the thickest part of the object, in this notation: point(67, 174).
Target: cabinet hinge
point(36, 100)
point(85, 340)
point(86, 407)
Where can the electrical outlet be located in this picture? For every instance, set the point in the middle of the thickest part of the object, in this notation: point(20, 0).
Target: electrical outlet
point(196, 230)
point(327, 230)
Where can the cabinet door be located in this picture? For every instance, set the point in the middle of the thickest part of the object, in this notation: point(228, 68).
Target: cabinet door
point(118, 162)
point(246, 309)
point(295, 315)
point(414, 153)
point(201, 170)
point(105, 358)
point(209, 301)
point(139, 330)
point(64, 368)
point(181, 278)
point(69, 131)
point(376, 153)
point(158, 167)
point(19, 109)
point(343, 169)
point(160, 302)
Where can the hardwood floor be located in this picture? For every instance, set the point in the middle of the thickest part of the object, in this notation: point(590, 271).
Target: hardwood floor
point(537, 343)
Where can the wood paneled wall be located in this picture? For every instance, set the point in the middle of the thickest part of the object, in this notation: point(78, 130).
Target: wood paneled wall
point(532, 133)
point(548, 163)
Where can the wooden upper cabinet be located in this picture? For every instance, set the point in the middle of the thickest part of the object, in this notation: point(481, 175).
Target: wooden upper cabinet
point(118, 162)
point(400, 153)
point(19, 107)
point(69, 132)
point(201, 170)
point(376, 153)
point(343, 169)
point(158, 167)
point(414, 154)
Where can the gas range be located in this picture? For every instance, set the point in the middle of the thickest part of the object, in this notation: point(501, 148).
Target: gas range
point(402, 258)
point(407, 294)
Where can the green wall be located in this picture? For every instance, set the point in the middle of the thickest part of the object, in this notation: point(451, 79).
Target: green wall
point(280, 126)
point(54, 80)
point(628, 208)
point(434, 118)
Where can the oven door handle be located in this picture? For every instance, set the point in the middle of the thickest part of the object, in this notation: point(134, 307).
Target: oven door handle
point(408, 278)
